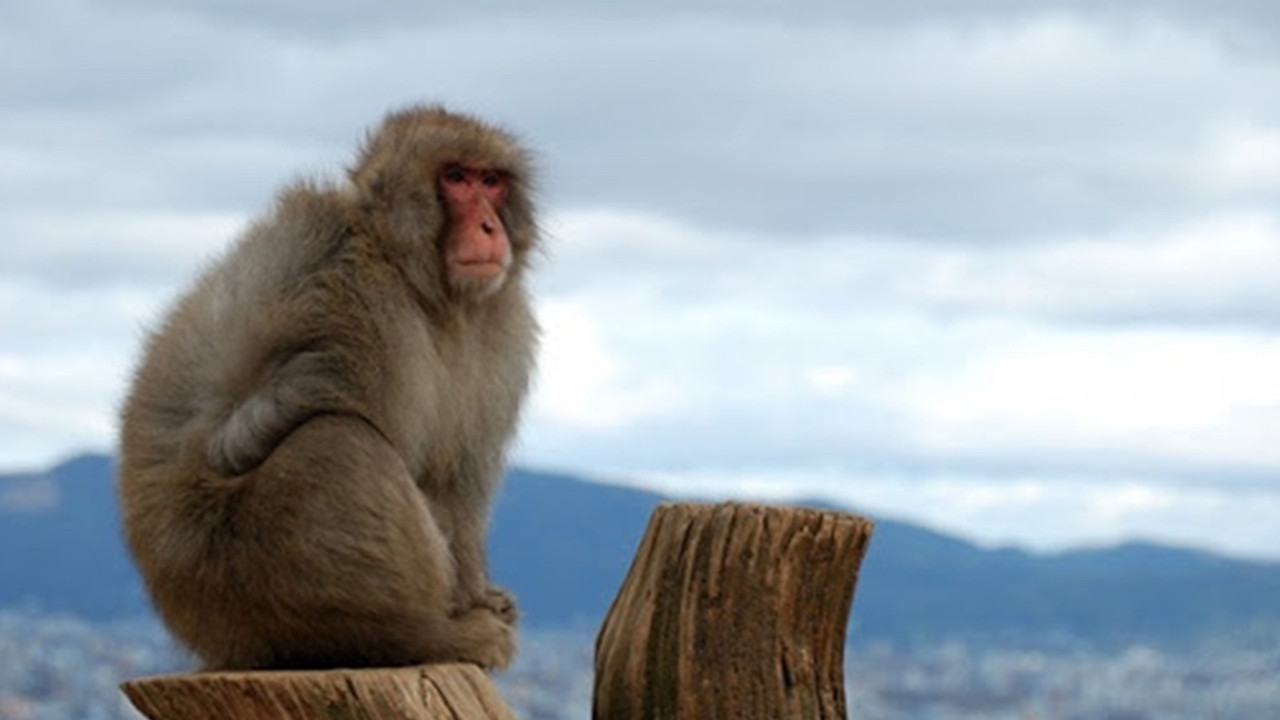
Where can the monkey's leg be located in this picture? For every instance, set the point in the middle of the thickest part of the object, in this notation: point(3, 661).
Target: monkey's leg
point(335, 560)
point(462, 512)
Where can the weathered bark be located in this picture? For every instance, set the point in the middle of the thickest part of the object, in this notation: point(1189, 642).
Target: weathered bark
point(425, 692)
point(732, 611)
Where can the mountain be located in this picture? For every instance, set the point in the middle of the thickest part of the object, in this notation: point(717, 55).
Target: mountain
point(564, 544)
point(60, 544)
point(918, 585)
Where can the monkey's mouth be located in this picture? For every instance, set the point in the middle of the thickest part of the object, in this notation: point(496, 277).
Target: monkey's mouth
point(479, 269)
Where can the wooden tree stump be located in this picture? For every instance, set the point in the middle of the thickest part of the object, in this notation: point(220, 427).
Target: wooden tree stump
point(732, 611)
point(424, 692)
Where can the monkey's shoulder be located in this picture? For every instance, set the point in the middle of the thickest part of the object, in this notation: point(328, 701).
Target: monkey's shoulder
point(308, 225)
point(272, 281)
point(303, 234)
point(308, 206)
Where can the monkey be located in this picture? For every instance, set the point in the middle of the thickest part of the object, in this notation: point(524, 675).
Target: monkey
point(313, 436)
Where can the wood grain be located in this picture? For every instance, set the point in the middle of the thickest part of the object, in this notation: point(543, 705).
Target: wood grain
point(435, 692)
point(732, 610)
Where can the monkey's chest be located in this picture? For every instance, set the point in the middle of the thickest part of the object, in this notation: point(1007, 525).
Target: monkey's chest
point(456, 410)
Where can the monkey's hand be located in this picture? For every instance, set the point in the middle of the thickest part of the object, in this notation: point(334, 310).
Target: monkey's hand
point(501, 603)
point(248, 436)
point(484, 638)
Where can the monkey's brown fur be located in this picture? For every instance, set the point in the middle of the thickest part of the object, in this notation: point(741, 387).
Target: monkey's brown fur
point(314, 435)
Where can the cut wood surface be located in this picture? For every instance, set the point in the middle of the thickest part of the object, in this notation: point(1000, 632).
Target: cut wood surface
point(732, 611)
point(435, 692)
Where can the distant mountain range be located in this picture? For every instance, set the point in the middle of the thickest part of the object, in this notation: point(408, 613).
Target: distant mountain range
point(564, 544)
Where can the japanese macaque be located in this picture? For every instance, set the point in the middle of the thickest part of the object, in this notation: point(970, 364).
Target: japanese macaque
point(314, 435)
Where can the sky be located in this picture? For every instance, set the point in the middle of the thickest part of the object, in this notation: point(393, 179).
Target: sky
point(1009, 268)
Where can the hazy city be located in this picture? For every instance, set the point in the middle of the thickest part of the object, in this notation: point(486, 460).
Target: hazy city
point(58, 668)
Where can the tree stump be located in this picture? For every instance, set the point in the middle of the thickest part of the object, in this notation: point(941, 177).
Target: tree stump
point(732, 611)
point(424, 692)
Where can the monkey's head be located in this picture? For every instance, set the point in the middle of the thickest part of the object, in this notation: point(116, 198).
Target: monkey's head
point(449, 197)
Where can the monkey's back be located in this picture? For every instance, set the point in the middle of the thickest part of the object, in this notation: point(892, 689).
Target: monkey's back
point(218, 342)
point(220, 332)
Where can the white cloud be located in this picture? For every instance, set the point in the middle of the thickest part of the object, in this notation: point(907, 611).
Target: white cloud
point(580, 385)
point(1066, 512)
point(55, 403)
point(839, 359)
point(1244, 156)
point(1091, 511)
point(1212, 269)
point(980, 265)
point(112, 248)
point(1184, 401)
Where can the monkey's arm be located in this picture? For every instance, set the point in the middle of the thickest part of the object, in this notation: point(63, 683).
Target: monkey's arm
point(463, 514)
point(307, 384)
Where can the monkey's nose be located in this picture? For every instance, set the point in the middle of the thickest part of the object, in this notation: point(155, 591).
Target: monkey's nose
point(487, 227)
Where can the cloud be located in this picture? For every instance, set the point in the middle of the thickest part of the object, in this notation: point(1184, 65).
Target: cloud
point(1009, 267)
point(1213, 270)
point(1216, 269)
point(1049, 124)
point(997, 513)
point(844, 353)
point(580, 384)
point(56, 402)
point(1024, 123)
point(111, 248)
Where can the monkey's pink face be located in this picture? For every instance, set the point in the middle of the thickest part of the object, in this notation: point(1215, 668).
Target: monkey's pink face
point(477, 250)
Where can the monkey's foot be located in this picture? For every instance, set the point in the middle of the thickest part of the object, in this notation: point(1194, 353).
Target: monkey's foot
point(502, 603)
point(493, 599)
point(483, 638)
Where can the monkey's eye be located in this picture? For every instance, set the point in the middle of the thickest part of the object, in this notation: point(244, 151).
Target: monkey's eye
point(491, 178)
point(454, 174)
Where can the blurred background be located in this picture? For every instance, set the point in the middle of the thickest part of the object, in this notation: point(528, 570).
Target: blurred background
point(1007, 271)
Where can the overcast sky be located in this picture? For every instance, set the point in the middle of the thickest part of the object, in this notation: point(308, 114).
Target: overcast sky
point(1007, 267)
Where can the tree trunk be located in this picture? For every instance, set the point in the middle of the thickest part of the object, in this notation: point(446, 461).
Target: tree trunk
point(732, 611)
point(425, 692)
